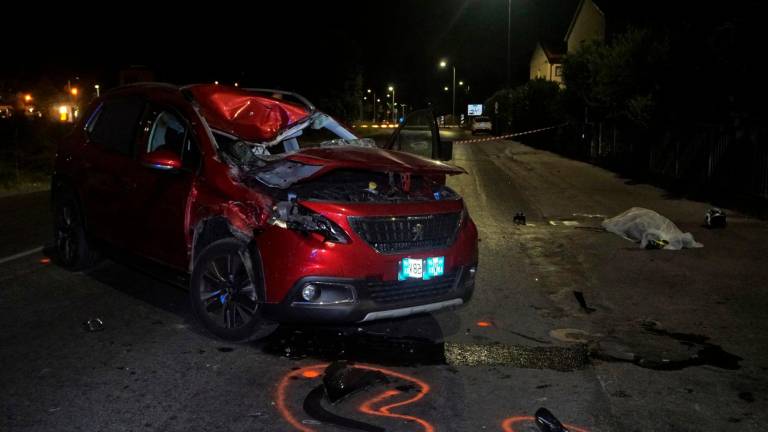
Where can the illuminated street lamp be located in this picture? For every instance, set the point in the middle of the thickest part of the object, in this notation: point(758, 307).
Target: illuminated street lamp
point(98, 90)
point(27, 98)
point(394, 109)
point(374, 100)
point(73, 91)
point(443, 65)
point(446, 88)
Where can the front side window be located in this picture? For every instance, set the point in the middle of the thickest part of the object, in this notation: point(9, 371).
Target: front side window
point(169, 132)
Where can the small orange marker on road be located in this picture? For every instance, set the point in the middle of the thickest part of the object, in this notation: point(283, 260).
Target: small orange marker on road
point(484, 324)
point(310, 374)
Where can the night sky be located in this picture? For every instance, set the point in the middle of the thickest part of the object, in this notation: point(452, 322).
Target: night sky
point(309, 47)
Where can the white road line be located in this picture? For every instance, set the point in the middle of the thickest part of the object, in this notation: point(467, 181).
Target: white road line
point(20, 255)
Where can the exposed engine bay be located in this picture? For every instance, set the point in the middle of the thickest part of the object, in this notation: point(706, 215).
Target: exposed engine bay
point(366, 186)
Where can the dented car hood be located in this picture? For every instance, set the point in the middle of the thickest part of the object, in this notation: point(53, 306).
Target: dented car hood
point(315, 162)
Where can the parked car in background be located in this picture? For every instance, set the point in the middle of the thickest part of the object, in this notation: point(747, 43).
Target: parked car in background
point(272, 209)
point(480, 124)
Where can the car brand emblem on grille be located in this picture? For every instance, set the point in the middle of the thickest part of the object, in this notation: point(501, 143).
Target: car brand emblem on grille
point(418, 232)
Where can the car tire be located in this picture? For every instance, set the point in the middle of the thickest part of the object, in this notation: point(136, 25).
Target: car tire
point(223, 293)
point(73, 250)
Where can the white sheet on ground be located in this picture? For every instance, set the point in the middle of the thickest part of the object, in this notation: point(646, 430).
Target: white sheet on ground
point(643, 225)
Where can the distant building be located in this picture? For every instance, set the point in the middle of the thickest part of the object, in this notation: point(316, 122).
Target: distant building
point(588, 24)
point(547, 62)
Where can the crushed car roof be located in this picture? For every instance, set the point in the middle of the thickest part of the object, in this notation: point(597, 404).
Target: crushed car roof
point(244, 113)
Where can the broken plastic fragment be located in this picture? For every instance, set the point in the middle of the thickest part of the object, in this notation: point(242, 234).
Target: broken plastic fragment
point(94, 325)
point(547, 422)
point(340, 380)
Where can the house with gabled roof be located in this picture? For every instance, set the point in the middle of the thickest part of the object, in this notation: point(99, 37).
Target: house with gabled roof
point(547, 62)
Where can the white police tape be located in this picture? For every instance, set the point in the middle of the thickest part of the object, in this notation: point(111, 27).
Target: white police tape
point(512, 135)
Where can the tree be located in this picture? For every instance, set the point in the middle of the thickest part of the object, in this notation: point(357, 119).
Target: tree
point(535, 104)
point(620, 80)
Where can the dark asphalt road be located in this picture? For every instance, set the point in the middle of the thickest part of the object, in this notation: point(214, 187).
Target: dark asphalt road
point(663, 328)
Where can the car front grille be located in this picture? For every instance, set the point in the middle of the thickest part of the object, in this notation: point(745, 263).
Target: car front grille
point(410, 290)
point(407, 233)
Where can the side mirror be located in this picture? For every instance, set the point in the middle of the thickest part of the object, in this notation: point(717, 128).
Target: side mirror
point(163, 160)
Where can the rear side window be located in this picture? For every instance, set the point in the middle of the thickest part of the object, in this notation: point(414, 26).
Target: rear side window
point(114, 126)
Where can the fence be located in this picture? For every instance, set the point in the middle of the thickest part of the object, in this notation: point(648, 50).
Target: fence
point(704, 159)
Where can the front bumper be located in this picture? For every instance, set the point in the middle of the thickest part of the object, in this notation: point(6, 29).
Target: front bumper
point(376, 299)
point(291, 259)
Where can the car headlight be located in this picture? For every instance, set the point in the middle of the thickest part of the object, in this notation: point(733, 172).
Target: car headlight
point(330, 230)
point(289, 215)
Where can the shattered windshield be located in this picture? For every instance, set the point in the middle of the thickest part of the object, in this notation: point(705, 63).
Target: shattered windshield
point(322, 132)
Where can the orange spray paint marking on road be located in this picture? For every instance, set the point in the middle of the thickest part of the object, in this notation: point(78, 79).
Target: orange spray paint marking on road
point(282, 388)
point(45, 260)
point(484, 324)
point(521, 420)
point(366, 407)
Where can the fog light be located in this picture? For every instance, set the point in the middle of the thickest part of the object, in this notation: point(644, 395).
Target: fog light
point(469, 279)
point(310, 292)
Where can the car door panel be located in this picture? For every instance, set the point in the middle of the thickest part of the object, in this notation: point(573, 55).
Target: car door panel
point(160, 204)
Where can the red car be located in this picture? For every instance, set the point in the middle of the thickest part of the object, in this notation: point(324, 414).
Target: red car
point(275, 210)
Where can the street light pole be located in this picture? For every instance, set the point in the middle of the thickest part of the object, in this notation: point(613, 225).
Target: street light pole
point(374, 104)
point(509, 32)
point(394, 107)
point(453, 108)
point(443, 65)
